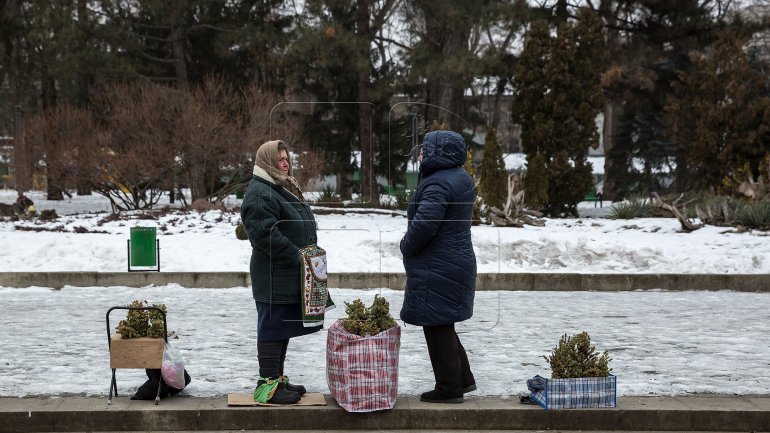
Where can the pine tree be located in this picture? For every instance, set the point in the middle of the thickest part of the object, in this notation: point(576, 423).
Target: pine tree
point(644, 66)
point(719, 113)
point(557, 98)
point(494, 181)
point(535, 182)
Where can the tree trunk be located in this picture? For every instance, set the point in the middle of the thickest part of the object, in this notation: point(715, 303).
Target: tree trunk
point(20, 167)
point(178, 48)
point(446, 86)
point(8, 10)
point(613, 110)
point(82, 67)
point(369, 192)
point(53, 185)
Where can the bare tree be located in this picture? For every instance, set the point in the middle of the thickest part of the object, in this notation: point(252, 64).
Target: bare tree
point(136, 163)
point(66, 137)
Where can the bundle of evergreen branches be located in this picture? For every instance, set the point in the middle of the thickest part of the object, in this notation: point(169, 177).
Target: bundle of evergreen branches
point(576, 357)
point(142, 323)
point(368, 321)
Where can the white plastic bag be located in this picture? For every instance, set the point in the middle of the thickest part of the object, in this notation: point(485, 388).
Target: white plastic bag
point(172, 369)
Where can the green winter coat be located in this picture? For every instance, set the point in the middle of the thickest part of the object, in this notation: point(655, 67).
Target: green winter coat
point(278, 224)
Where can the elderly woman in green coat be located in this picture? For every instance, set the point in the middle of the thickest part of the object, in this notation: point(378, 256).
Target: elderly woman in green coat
point(278, 223)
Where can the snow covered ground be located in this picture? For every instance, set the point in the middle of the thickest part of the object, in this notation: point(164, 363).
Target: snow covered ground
point(82, 240)
point(54, 341)
point(662, 343)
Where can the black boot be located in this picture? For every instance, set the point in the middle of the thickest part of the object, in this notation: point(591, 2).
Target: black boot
point(281, 394)
point(299, 389)
point(437, 396)
point(269, 355)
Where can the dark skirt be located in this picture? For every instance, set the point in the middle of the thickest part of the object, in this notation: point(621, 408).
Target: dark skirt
point(280, 322)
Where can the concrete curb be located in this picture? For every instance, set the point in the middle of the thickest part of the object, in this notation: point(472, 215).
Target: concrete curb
point(687, 413)
point(396, 281)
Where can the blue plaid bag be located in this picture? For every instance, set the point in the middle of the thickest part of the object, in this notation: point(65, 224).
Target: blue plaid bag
point(573, 393)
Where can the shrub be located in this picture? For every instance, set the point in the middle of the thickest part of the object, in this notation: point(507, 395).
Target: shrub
point(329, 197)
point(240, 232)
point(635, 207)
point(754, 215)
point(494, 180)
point(368, 321)
point(717, 210)
point(48, 215)
point(574, 356)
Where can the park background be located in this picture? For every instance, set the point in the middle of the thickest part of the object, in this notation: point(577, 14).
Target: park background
point(116, 114)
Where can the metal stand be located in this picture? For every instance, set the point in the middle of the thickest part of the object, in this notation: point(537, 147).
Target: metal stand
point(113, 382)
point(157, 256)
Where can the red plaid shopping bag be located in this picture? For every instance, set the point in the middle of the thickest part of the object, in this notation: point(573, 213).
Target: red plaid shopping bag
point(362, 372)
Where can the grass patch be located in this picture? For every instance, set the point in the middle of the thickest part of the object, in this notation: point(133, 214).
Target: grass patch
point(634, 207)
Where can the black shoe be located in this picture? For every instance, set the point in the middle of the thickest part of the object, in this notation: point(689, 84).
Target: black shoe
point(436, 396)
point(282, 395)
point(469, 388)
point(525, 399)
point(299, 389)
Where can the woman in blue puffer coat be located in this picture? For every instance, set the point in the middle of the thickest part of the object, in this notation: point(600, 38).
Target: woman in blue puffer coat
point(440, 263)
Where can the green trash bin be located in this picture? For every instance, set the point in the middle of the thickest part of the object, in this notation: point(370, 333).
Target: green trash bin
point(143, 250)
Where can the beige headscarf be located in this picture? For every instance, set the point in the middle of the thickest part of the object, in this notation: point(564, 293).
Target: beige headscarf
point(267, 164)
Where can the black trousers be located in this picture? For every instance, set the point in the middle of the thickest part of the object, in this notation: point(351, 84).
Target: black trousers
point(271, 356)
point(449, 360)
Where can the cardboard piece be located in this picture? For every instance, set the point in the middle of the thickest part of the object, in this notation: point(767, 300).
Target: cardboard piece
point(142, 352)
point(309, 399)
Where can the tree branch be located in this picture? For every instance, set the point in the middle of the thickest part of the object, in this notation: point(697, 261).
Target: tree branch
point(394, 42)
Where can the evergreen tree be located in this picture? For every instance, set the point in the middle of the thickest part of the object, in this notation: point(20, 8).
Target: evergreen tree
point(556, 100)
point(536, 182)
point(719, 112)
point(494, 180)
point(656, 41)
point(328, 62)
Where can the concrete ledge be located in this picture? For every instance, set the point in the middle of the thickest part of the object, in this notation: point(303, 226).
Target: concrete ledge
point(395, 281)
point(686, 413)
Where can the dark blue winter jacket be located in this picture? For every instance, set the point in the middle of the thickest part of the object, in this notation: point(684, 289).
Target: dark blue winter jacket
point(437, 249)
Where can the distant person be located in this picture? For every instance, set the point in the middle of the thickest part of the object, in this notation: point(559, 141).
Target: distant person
point(278, 223)
point(440, 263)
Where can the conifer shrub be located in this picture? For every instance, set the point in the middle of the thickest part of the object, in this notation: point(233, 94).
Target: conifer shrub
point(365, 321)
point(575, 356)
point(634, 207)
point(240, 232)
point(494, 182)
point(142, 323)
point(536, 182)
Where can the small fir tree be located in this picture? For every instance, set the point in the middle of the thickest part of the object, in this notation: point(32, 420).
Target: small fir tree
point(575, 356)
point(494, 181)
